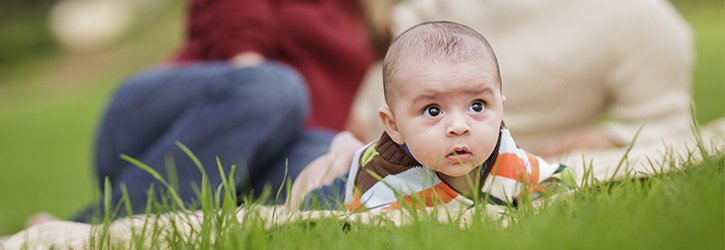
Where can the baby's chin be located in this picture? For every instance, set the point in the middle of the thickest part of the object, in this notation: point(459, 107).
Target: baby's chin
point(457, 170)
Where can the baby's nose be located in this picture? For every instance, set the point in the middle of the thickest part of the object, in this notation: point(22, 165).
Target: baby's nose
point(458, 127)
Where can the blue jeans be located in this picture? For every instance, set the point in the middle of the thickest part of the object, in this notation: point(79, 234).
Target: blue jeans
point(251, 117)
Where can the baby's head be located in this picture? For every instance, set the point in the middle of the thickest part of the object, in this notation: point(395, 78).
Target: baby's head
point(443, 94)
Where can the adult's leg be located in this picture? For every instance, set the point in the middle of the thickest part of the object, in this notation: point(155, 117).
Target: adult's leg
point(243, 116)
point(142, 109)
point(309, 145)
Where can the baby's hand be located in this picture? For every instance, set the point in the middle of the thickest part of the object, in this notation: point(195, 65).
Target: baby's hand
point(324, 169)
point(345, 143)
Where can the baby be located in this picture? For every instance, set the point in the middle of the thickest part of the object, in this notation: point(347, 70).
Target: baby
point(445, 142)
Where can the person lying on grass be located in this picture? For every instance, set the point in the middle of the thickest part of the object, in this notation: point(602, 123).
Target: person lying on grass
point(445, 142)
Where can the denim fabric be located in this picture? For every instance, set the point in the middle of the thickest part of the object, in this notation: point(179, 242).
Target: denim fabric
point(327, 197)
point(308, 145)
point(252, 117)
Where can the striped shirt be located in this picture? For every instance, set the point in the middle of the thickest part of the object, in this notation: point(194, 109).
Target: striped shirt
point(383, 177)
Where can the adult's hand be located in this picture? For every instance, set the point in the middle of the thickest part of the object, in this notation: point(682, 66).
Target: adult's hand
point(247, 59)
point(588, 138)
point(324, 169)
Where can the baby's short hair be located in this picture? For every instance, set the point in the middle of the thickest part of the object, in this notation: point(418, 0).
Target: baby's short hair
point(437, 41)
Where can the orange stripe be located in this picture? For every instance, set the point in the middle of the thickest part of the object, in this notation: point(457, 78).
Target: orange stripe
point(436, 195)
point(510, 165)
point(534, 176)
point(356, 205)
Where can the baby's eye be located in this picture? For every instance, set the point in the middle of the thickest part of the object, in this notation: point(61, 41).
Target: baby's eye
point(476, 107)
point(432, 111)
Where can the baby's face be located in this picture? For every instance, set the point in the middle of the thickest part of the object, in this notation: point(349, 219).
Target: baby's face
point(449, 115)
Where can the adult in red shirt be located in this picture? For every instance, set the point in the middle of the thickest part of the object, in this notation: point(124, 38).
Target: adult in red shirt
point(263, 85)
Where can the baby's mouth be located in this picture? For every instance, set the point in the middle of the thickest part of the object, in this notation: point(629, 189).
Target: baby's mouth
point(459, 154)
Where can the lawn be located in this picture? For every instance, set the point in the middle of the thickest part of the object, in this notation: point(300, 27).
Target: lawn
point(48, 116)
point(675, 211)
point(47, 120)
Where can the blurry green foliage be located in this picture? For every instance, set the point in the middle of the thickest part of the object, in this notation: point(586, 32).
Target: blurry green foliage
point(24, 33)
point(707, 19)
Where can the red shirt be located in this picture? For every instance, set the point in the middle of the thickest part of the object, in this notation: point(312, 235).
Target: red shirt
point(325, 40)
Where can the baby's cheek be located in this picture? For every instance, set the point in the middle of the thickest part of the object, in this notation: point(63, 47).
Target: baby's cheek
point(488, 149)
point(423, 153)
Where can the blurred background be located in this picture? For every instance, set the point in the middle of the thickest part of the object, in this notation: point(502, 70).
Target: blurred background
point(60, 60)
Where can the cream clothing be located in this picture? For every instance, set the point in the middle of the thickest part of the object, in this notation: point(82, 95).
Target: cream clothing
point(570, 64)
point(566, 63)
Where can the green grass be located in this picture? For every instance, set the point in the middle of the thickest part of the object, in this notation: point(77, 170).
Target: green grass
point(32, 177)
point(678, 210)
point(708, 22)
point(47, 121)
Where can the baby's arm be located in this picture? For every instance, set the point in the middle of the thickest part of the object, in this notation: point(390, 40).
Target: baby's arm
point(324, 169)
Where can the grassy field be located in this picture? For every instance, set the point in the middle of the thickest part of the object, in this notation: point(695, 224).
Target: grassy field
point(48, 110)
point(681, 210)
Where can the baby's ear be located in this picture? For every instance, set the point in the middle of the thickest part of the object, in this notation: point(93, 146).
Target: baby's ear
point(389, 124)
